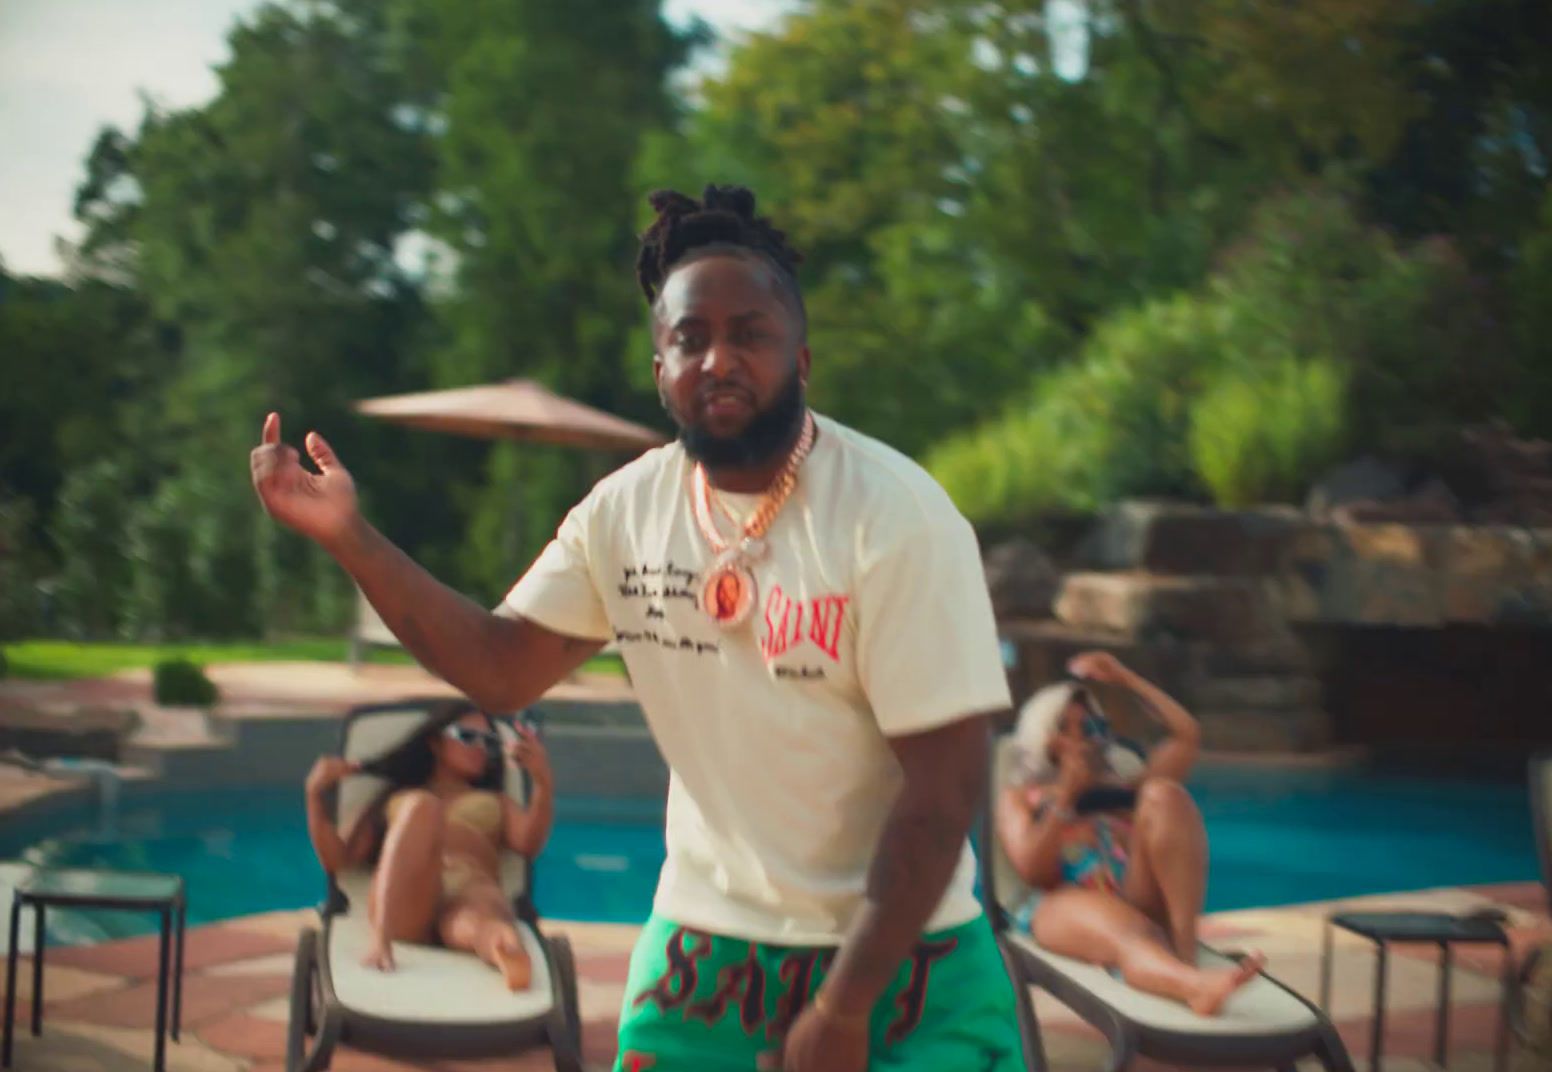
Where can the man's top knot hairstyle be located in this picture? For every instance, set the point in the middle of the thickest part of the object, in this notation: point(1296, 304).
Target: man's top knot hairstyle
point(723, 219)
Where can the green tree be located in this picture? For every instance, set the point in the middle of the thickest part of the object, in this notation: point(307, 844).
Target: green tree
point(264, 231)
point(77, 352)
point(266, 223)
point(88, 529)
point(20, 570)
point(1317, 333)
point(847, 120)
point(540, 111)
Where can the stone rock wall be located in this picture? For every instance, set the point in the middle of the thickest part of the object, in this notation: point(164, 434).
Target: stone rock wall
point(1417, 576)
point(1211, 605)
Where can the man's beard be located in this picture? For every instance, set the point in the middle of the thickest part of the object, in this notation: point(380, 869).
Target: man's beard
point(768, 434)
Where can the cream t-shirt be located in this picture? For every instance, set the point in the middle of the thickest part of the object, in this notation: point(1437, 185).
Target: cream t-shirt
point(872, 620)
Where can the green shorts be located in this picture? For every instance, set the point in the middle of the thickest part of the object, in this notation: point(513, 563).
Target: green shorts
point(699, 1002)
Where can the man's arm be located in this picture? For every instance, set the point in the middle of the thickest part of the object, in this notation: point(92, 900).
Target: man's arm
point(945, 775)
point(501, 663)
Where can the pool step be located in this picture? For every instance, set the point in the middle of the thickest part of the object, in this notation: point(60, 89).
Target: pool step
point(176, 741)
point(178, 760)
point(1264, 729)
point(1267, 692)
point(236, 751)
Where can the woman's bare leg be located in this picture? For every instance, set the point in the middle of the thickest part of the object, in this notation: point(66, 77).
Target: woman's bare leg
point(479, 921)
point(1166, 870)
point(1103, 929)
point(408, 881)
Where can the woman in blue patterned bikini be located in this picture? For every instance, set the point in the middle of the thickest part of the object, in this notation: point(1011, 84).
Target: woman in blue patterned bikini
point(1112, 843)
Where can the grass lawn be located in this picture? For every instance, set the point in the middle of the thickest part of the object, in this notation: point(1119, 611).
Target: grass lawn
point(62, 659)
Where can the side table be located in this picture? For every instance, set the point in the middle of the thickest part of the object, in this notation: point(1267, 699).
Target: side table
point(81, 888)
point(1438, 928)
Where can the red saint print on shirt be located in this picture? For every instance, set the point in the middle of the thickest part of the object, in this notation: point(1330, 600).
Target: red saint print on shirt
point(780, 628)
point(824, 624)
point(785, 618)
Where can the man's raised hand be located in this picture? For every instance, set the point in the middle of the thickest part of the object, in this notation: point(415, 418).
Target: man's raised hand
point(321, 505)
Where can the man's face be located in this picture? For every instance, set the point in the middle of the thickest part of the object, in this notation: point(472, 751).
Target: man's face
point(730, 361)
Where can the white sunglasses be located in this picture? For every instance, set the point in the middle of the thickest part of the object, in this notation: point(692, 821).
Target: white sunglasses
point(469, 735)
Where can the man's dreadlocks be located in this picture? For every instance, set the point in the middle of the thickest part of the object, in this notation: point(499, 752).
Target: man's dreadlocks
point(723, 221)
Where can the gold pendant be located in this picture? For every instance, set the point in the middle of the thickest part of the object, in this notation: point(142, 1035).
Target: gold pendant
point(728, 590)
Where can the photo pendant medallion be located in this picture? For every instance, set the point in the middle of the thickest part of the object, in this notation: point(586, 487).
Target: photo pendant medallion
point(728, 590)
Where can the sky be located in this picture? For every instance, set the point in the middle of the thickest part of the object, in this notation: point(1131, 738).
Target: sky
point(68, 67)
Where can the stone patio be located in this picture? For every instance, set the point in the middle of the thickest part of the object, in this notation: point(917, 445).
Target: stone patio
point(99, 1000)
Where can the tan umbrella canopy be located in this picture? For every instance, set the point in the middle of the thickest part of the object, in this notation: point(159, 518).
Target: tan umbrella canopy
point(513, 409)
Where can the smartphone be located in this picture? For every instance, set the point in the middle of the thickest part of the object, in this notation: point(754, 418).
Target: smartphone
point(1105, 798)
point(1096, 726)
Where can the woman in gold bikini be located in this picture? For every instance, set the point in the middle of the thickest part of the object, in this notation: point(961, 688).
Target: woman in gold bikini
point(437, 833)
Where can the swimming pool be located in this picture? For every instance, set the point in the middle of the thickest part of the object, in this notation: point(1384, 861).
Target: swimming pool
point(1278, 837)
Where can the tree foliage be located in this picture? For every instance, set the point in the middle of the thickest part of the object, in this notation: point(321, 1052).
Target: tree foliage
point(1064, 249)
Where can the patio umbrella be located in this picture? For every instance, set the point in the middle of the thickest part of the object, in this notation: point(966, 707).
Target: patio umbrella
point(513, 409)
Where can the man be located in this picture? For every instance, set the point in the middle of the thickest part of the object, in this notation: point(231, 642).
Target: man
point(807, 627)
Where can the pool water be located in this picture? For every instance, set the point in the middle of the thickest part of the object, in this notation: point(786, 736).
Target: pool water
point(246, 851)
point(1277, 837)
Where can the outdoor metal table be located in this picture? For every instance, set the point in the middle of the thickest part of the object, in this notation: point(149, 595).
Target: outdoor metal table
point(1438, 928)
point(82, 888)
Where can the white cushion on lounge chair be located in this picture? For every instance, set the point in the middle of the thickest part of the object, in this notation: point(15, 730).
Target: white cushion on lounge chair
point(1260, 1007)
point(431, 984)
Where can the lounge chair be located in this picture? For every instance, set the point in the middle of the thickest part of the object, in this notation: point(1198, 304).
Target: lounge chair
point(1264, 1023)
point(1529, 1014)
point(439, 1003)
point(1541, 815)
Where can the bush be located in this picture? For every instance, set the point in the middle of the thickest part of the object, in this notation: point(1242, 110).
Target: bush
point(1111, 425)
point(20, 570)
point(1264, 438)
point(1317, 333)
point(88, 529)
point(208, 563)
point(1420, 349)
point(180, 683)
point(1531, 282)
point(5, 665)
point(298, 588)
point(192, 550)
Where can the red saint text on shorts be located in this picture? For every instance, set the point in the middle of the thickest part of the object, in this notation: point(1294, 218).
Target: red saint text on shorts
point(677, 983)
